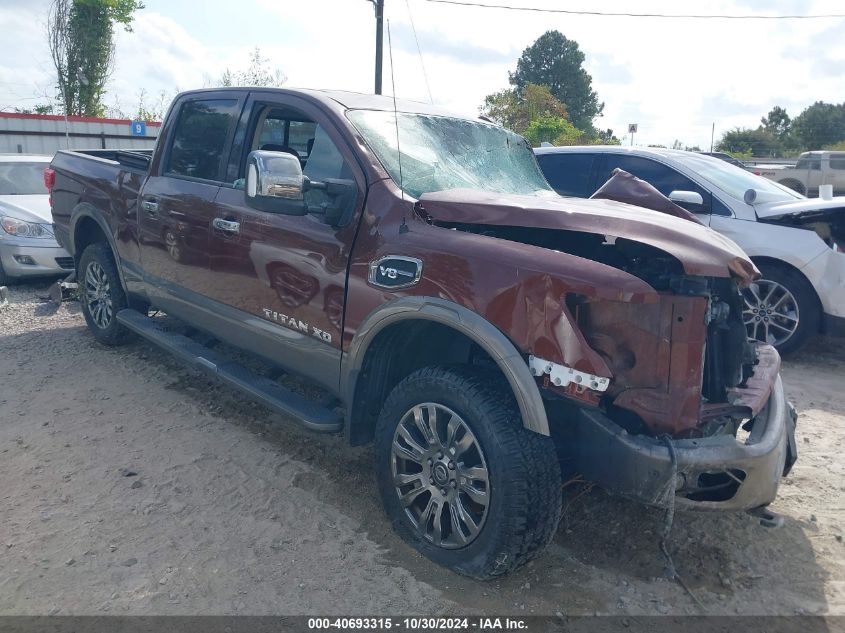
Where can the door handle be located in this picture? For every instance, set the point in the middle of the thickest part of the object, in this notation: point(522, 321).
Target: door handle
point(227, 226)
point(150, 206)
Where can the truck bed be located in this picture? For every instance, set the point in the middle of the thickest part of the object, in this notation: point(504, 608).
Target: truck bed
point(108, 180)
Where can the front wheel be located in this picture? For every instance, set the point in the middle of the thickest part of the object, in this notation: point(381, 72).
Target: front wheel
point(461, 479)
point(781, 309)
point(101, 294)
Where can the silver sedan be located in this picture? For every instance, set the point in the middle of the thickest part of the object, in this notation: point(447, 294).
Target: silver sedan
point(27, 245)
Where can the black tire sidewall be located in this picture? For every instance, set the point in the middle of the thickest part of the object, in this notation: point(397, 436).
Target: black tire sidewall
point(100, 253)
point(492, 550)
point(809, 308)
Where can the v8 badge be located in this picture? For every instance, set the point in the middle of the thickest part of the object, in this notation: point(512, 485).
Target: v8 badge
point(395, 271)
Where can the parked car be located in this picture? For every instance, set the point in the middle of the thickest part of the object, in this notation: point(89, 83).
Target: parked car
point(727, 158)
point(797, 243)
point(27, 245)
point(812, 170)
point(456, 312)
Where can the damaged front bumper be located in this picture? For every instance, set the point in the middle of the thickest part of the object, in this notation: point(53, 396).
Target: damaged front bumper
point(713, 473)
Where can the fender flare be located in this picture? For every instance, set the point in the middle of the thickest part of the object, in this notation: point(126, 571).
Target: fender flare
point(475, 327)
point(83, 211)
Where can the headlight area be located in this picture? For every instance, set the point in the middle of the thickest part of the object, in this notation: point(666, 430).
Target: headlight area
point(21, 228)
point(672, 364)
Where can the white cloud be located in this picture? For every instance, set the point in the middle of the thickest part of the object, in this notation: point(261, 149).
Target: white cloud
point(673, 77)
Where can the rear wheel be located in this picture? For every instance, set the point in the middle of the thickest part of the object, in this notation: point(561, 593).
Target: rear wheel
point(795, 185)
point(461, 479)
point(101, 294)
point(781, 309)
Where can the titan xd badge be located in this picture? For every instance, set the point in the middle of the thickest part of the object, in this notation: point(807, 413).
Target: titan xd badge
point(395, 271)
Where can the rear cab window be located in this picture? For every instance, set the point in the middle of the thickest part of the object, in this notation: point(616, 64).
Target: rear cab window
point(201, 138)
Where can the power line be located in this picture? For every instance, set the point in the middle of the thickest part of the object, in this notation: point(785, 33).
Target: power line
point(482, 5)
point(422, 63)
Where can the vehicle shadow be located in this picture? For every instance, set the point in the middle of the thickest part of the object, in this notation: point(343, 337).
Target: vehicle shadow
point(605, 557)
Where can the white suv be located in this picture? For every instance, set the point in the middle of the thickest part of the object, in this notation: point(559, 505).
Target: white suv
point(797, 243)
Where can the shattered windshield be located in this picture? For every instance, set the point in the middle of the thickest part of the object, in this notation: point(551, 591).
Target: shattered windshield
point(440, 153)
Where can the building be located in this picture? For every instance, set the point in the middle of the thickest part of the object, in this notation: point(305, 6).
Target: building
point(47, 133)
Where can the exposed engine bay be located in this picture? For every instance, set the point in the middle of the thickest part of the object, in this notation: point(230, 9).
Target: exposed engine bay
point(829, 225)
point(677, 364)
point(669, 374)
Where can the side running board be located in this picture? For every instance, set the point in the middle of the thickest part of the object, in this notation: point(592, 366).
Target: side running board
point(311, 414)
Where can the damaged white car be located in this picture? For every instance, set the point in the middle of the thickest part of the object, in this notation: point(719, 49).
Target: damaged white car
point(797, 243)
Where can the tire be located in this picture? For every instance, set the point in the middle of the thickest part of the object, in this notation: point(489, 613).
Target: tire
point(800, 310)
point(173, 247)
point(523, 491)
point(4, 279)
point(101, 294)
point(795, 185)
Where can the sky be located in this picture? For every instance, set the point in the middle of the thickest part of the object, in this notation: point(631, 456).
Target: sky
point(675, 78)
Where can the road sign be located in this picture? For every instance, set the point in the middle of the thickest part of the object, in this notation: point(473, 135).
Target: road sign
point(632, 128)
point(139, 128)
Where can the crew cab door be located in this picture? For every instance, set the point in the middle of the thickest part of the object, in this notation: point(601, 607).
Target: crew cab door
point(285, 275)
point(836, 173)
point(177, 200)
point(810, 169)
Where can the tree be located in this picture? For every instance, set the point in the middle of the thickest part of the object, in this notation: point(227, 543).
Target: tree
point(258, 73)
point(759, 142)
point(819, 125)
point(39, 108)
point(517, 111)
point(557, 62)
point(81, 40)
point(777, 122)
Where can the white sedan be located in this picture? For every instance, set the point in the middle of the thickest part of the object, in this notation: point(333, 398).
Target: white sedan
point(27, 245)
point(797, 243)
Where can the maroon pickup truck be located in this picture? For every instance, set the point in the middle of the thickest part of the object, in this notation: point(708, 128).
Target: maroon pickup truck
point(485, 333)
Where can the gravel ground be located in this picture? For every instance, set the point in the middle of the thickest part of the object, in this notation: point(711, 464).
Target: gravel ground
point(131, 485)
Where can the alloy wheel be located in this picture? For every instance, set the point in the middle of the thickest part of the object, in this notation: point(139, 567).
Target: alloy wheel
point(771, 313)
point(440, 475)
point(97, 295)
point(171, 242)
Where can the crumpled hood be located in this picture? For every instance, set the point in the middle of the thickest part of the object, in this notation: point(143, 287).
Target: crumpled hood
point(29, 208)
point(700, 250)
point(772, 210)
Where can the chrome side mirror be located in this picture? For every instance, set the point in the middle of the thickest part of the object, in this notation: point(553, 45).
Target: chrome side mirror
point(686, 197)
point(273, 175)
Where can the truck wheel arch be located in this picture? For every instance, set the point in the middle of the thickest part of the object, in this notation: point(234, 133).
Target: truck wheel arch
point(87, 226)
point(795, 185)
point(393, 318)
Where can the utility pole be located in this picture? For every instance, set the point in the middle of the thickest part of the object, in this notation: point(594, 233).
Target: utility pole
point(379, 6)
point(712, 134)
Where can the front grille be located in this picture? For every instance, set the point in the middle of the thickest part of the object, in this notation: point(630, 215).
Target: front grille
point(65, 262)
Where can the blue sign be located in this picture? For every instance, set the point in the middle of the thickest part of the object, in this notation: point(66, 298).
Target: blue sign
point(139, 128)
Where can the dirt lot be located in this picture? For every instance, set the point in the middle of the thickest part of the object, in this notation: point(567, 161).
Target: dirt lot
point(235, 510)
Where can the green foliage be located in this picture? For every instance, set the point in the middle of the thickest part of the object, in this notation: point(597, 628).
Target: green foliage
point(557, 62)
point(46, 108)
point(777, 122)
point(605, 137)
point(81, 40)
point(541, 118)
point(516, 111)
point(820, 124)
point(554, 130)
point(759, 142)
point(836, 147)
point(258, 73)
